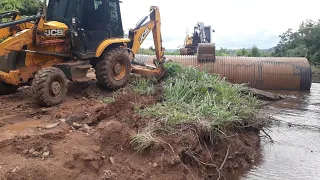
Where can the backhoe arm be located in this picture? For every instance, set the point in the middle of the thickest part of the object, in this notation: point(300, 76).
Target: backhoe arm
point(140, 33)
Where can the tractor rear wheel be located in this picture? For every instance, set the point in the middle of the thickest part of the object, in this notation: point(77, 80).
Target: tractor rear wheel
point(113, 69)
point(49, 86)
point(6, 89)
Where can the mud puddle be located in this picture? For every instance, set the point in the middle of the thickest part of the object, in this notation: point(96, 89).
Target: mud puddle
point(295, 153)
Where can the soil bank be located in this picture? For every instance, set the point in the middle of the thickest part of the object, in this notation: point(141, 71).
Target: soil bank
point(88, 138)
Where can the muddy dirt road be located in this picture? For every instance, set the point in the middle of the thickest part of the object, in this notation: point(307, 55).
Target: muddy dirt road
point(295, 153)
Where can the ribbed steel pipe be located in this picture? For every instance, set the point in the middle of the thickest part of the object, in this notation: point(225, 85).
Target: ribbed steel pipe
point(266, 73)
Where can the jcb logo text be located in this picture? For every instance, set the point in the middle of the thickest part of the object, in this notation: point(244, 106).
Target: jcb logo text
point(144, 35)
point(54, 32)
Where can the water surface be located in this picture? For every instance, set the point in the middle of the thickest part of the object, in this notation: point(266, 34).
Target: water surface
point(295, 153)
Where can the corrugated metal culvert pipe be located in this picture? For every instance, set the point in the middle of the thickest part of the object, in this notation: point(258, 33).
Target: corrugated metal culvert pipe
point(266, 73)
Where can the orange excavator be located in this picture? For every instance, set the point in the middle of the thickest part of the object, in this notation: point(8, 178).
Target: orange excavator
point(67, 39)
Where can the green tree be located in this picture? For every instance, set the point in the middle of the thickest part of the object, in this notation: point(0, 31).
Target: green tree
point(223, 52)
point(151, 48)
point(10, 5)
point(31, 7)
point(255, 52)
point(26, 7)
point(305, 42)
point(242, 52)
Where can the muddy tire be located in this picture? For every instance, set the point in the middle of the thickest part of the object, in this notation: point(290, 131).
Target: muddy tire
point(49, 87)
point(6, 89)
point(113, 69)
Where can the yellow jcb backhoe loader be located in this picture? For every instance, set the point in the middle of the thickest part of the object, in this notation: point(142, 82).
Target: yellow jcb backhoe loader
point(67, 39)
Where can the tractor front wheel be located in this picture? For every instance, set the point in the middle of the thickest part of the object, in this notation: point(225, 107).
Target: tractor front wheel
point(6, 89)
point(113, 69)
point(49, 86)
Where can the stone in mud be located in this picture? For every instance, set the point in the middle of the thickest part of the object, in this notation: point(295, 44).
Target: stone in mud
point(31, 150)
point(111, 160)
point(50, 126)
point(77, 125)
point(85, 128)
point(76, 118)
point(63, 120)
point(25, 151)
point(45, 154)
point(36, 153)
point(15, 169)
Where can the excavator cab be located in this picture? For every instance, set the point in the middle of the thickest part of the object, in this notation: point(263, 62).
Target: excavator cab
point(89, 22)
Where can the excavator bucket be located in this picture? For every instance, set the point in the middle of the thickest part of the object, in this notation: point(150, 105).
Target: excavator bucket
point(206, 52)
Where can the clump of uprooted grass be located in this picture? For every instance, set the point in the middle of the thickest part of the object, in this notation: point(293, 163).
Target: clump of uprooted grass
point(191, 95)
point(143, 140)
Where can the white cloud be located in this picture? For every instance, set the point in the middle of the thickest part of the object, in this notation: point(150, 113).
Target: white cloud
point(237, 23)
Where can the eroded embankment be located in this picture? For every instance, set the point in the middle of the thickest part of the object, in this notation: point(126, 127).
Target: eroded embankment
point(124, 135)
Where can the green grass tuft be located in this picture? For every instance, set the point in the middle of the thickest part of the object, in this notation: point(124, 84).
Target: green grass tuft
point(191, 95)
point(109, 100)
point(143, 86)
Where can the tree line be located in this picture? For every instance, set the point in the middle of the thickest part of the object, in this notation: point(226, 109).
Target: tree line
point(26, 7)
point(304, 42)
point(251, 52)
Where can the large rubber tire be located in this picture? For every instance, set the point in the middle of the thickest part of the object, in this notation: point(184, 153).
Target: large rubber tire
point(50, 87)
point(6, 89)
point(113, 69)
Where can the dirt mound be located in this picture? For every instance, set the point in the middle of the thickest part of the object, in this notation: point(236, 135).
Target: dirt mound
point(113, 136)
point(106, 151)
point(123, 110)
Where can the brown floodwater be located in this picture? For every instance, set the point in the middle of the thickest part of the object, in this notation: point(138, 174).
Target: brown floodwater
point(295, 153)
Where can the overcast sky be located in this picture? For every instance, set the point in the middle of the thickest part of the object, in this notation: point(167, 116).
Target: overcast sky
point(238, 23)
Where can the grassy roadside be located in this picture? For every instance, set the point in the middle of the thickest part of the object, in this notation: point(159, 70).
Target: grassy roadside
point(191, 96)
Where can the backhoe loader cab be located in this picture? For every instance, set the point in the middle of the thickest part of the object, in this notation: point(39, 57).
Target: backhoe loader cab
point(69, 38)
point(89, 22)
